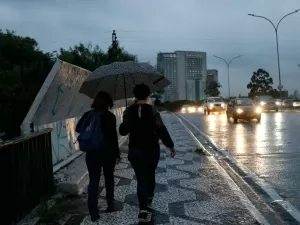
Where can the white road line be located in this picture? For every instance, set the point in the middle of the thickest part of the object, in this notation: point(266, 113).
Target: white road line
point(233, 186)
point(292, 210)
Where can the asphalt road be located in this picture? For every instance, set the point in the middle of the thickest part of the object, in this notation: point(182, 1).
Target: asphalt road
point(270, 149)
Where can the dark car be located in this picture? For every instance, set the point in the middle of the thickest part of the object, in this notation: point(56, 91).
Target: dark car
point(267, 103)
point(243, 108)
point(271, 104)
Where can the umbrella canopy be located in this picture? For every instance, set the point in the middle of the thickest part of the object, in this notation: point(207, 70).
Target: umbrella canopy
point(119, 79)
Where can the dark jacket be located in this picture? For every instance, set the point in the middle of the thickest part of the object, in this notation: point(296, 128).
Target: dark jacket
point(108, 125)
point(146, 131)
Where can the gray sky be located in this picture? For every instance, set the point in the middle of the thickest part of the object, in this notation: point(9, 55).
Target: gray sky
point(219, 27)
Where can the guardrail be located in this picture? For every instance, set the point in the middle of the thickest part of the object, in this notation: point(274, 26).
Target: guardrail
point(26, 171)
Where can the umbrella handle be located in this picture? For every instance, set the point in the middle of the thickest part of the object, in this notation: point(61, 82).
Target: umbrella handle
point(125, 90)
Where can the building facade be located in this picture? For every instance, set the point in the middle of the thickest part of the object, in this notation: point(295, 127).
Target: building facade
point(187, 72)
point(212, 75)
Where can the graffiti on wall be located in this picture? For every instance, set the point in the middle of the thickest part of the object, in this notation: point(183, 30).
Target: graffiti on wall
point(59, 105)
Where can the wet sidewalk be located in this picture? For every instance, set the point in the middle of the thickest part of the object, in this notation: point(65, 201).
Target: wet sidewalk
point(190, 190)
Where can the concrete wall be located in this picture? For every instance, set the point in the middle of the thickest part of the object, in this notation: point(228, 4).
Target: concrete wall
point(59, 105)
point(64, 137)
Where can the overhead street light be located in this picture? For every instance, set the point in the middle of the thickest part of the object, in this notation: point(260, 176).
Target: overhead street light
point(228, 64)
point(280, 87)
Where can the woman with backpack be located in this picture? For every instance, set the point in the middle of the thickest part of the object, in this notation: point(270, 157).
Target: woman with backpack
point(99, 139)
point(145, 127)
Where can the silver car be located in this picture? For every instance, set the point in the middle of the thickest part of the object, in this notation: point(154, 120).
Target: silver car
point(243, 108)
point(214, 104)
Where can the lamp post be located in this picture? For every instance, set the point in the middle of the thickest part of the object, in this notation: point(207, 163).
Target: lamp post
point(228, 64)
point(113, 37)
point(280, 87)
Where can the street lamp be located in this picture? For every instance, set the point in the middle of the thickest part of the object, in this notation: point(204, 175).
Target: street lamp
point(228, 64)
point(280, 87)
point(114, 36)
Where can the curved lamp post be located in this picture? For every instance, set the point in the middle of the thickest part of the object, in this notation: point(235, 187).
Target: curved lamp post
point(228, 64)
point(280, 87)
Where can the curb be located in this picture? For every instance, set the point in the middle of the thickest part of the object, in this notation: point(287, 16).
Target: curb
point(285, 209)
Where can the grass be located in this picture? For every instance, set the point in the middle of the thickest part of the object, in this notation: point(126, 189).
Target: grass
point(200, 151)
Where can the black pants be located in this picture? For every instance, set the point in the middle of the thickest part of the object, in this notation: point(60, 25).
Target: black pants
point(95, 161)
point(144, 164)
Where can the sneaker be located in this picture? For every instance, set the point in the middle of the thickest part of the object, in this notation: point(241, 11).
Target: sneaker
point(143, 216)
point(95, 218)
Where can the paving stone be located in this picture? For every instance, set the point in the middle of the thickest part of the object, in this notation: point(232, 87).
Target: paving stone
point(189, 191)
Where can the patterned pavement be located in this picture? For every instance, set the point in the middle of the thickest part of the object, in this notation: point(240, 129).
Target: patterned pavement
point(190, 189)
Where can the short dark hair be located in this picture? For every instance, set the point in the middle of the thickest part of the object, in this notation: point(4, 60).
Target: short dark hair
point(102, 101)
point(141, 91)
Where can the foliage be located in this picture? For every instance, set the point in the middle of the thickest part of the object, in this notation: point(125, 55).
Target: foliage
point(91, 57)
point(200, 151)
point(260, 84)
point(176, 105)
point(212, 89)
point(86, 56)
point(23, 68)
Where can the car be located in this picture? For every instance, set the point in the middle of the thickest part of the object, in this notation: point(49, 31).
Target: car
point(214, 104)
point(267, 103)
point(190, 109)
point(296, 103)
point(272, 104)
point(243, 108)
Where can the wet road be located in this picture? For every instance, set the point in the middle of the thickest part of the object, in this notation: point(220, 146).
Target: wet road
point(270, 149)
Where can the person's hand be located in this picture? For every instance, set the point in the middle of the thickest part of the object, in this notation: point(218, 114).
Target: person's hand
point(172, 152)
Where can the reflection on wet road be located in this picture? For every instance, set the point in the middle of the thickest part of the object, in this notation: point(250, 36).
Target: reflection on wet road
point(271, 148)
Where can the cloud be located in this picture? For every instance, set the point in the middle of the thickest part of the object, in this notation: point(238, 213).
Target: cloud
point(147, 27)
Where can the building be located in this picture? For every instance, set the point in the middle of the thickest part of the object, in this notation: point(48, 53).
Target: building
point(212, 75)
point(187, 72)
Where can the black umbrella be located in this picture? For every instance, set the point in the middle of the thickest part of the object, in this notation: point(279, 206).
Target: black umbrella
point(119, 79)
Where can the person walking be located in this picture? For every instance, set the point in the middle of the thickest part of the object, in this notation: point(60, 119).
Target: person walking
point(145, 127)
point(99, 139)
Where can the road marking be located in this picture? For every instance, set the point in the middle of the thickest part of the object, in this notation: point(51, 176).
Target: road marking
point(292, 210)
point(233, 186)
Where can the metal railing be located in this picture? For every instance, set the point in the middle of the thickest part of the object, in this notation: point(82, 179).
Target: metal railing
point(26, 171)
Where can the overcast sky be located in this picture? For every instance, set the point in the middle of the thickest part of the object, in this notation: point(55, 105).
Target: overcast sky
point(219, 27)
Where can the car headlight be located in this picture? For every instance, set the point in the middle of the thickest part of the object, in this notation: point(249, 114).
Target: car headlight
point(239, 111)
point(277, 103)
point(183, 109)
point(199, 109)
point(262, 103)
point(211, 105)
point(222, 105)
point(258, 110)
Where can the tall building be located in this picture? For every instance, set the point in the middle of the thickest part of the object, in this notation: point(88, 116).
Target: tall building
point(212, 75)
point(187, 72)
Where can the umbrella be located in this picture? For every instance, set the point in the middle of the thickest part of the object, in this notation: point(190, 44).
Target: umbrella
point(119, 79)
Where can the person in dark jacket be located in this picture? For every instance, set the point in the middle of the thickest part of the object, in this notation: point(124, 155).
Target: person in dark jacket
point(105, 158)
point(145, 127)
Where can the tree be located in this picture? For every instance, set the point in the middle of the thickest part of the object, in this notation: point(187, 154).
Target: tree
point(91, 57)
point(86, 56)
point(260, 84)
point(23, 69)
point(213, 89)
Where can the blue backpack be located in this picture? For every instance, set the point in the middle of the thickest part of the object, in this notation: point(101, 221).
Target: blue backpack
point(91, 136)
